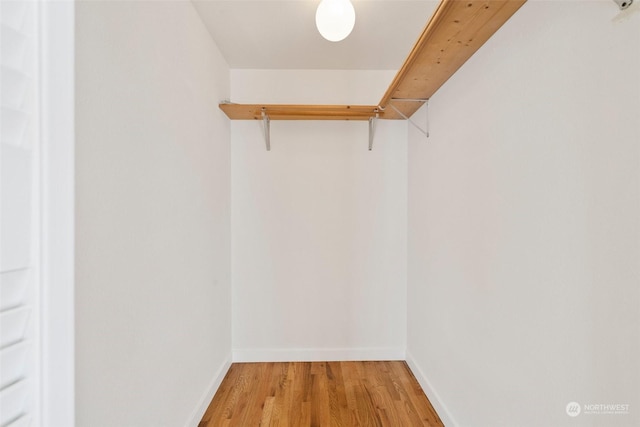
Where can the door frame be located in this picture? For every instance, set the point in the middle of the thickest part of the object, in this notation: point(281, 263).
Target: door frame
point(57, 211)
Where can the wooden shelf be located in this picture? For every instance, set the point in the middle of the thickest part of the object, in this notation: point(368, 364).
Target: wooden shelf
point(454, 33)
point(299, 112)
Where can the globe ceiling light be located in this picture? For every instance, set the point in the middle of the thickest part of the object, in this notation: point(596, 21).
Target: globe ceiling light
point(335, 19)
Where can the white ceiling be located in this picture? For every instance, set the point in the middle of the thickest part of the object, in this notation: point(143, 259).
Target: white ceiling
point(281, 34)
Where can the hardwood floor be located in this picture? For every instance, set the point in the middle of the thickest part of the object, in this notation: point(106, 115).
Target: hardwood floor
point(293, 394)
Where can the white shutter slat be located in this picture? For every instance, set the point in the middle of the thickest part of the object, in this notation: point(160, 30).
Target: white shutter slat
point(13, 362)
point(13, 14)
point(15, 205)
point(14, 46)
point(13, 288)
point(13, 326)
point(13, 402)
point(14, 85)
point(23, 421)
point(14, 124)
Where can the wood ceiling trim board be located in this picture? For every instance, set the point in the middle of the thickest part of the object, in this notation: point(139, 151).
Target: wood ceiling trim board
point(457, 29)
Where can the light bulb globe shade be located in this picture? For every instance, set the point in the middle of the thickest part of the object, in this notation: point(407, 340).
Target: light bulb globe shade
point(335, 19)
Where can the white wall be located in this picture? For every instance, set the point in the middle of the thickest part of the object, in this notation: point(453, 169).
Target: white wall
point(318, 225)
point(153, 215)
point(524, 207)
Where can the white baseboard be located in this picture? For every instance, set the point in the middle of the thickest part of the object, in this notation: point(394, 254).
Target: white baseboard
point(209, 393)
point(431, 393)
point(317, 354)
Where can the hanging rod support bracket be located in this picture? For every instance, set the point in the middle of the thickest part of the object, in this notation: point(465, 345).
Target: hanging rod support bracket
point(266, 127)
point(373, 121)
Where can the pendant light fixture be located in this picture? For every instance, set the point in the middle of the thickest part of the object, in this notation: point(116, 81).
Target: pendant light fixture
point(335, 19)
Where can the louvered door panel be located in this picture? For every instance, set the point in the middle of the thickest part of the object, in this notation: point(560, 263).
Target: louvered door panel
point(18, 222)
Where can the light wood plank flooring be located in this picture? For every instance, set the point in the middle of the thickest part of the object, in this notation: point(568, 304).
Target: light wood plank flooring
point(294, 394)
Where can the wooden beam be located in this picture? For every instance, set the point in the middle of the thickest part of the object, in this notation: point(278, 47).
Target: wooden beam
point(454, 33)
point(298, 112)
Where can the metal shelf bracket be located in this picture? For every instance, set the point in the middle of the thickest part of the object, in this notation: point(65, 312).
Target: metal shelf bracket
point(373, 121)
point(266, 127)
point(426, 102)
